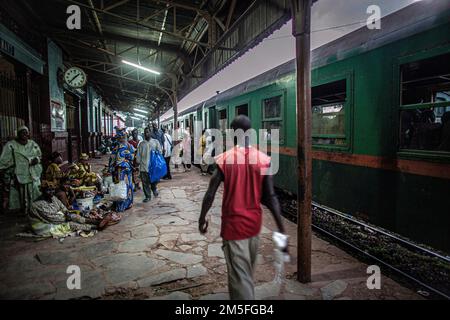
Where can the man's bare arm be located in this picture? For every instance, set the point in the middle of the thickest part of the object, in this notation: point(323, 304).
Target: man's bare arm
point(270, 200)
point(208, 200)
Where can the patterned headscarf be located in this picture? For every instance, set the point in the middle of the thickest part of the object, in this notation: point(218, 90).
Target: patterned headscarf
point(22, 128)
point(121, 132)
point(46, 184)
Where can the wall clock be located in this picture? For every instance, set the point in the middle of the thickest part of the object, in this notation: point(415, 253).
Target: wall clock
point(75, 77)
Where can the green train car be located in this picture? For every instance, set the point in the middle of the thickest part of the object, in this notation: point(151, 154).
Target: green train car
point(381, 122)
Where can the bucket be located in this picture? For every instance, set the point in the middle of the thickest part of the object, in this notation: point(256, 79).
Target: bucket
point(85, 204)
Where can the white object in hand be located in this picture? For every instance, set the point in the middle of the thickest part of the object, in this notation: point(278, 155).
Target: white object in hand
point(281, 243)
point(280, 240)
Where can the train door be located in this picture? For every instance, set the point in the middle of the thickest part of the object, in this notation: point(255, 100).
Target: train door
point(223, 120)
point(191, 123)
point(199, 117)
point(213, 118)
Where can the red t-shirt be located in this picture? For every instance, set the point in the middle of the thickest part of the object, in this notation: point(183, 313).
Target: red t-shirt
point(243, 169)
point(134, 143)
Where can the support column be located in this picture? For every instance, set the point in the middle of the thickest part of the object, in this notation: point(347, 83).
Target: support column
point(158, 114)
point(175, 111)
point(301, 22)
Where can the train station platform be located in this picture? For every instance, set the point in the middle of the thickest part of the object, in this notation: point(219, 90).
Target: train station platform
point(156, 252)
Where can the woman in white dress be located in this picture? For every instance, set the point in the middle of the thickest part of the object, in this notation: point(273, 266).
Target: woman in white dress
point(186, 145)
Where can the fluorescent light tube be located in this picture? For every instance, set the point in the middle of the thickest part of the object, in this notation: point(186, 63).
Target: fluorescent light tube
point(140, 67)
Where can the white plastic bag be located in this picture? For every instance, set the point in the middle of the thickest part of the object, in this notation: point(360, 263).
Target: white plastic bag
point(119, 191)
point(107, 183)
point(280, 257)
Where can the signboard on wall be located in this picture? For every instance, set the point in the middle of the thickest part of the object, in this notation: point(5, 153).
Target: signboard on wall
point(58, 116)
point(14, 47)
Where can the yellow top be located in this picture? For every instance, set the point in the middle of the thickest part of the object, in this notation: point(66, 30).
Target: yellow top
point(53, 173)
point(202, 145)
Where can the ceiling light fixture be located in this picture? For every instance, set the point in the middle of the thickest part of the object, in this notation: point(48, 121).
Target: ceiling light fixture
point(140, 67)
point(140, 115)
point(140, 110)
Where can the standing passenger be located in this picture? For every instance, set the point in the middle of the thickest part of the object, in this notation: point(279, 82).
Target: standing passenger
point(201, 154)
point(143, 158)
point(157, 134)
point(121, 167)
point(21, 159)
point(245, 187)
point(168, 147)
point(135, 143)
point(186, 149)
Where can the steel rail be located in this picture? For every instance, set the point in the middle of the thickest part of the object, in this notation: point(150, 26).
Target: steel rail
point(377, 230)
point(372, 257)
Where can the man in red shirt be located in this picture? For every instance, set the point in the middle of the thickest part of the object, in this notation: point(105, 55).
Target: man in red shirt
point(246, 186)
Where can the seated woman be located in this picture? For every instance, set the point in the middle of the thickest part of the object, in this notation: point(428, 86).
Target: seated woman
point(65, 193)
point(86, 175)
point(50, 218)
point(56, 176)
point(74, 175)
point(54, 172)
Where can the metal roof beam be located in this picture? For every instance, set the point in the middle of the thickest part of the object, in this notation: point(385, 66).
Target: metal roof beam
point(124, 39)
point(134, 21)
point(203, 13)
point(230, 14)
point(115, 5)
point(121, 76)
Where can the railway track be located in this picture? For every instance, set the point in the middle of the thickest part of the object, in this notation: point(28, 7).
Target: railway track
point(421, 268)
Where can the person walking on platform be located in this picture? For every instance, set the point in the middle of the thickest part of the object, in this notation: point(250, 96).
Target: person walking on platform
point(21, 163)
point(167, 150)
point(143, 159)
point(157, 134)
point(246, 186)
point(135, 143)
point(121, 168)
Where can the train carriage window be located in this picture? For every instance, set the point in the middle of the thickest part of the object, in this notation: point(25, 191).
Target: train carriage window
point(223, 120)
point(425, 105)
point(272, 117)
point(242, 109)
point(328, 113)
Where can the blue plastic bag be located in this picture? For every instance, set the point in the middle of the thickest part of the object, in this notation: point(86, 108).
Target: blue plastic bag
point(157, 167)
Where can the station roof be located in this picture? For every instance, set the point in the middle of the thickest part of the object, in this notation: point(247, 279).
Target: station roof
point(187, 41)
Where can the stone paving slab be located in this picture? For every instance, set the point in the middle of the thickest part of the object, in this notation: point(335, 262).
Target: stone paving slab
point(215, 250)
point(180, 258)
point(145, 231)
point(174, 296)
point(165, 277)
point(192, 237)
point(138, 245)
point(196, 271)
point(334, 289)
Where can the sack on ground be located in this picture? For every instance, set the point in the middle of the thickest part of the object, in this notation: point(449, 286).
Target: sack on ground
point(157, 167)
point(119, 191)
